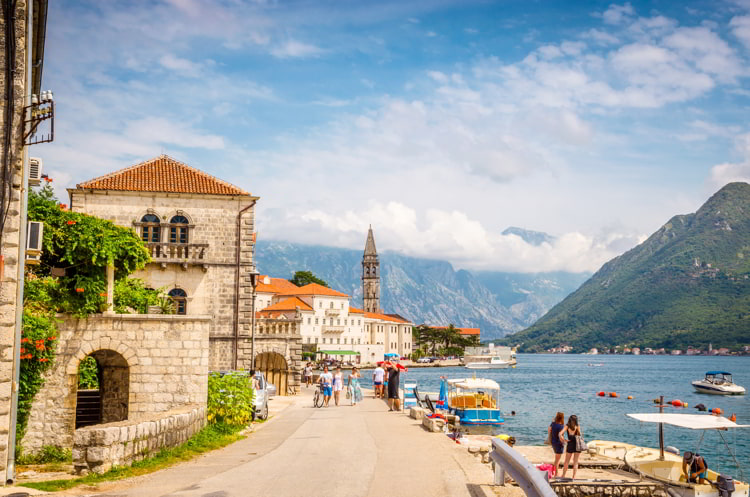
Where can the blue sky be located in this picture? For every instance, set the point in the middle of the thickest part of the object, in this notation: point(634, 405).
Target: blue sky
point(440, 123)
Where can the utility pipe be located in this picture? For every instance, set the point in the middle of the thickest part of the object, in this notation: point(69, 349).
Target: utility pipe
point(10, 472)
point(237, 287)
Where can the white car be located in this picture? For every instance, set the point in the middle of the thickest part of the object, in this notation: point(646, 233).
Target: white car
point(263, 393)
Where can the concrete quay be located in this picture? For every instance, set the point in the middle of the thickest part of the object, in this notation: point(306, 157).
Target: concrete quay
point(336, 451)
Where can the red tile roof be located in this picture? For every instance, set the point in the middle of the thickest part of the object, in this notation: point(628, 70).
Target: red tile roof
point(313, 289)
point(162, 174)
point(354, 310)
point(274, 285)
point(289, 304)
point(461, 331)
point(384, 317)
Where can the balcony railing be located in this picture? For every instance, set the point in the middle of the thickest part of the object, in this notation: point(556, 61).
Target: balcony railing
point(332, 312)
point(181, 253)
point(327, 328)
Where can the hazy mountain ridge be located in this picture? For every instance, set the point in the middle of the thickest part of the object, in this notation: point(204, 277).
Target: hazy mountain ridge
point(687, 284)
point(426, 290)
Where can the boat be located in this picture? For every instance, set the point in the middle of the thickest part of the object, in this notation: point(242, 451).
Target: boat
point(474, 400)
point(718, 383)
point(494, 362)
point(665, 464)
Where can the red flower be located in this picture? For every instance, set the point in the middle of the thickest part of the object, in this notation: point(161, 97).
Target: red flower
point(103, 294)
point(24, 340)
point(23, 350)
point(79, 290)
point(70, 223)
point(48, 180)
point(63, 207)
point(43, 359)
point(52, 338)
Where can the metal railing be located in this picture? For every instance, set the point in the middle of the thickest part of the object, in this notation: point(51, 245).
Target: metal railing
point(178, 252)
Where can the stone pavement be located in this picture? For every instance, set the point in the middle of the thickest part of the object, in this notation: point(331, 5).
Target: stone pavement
point(336, 451)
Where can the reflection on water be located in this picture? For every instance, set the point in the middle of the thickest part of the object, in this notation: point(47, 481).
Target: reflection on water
point(541, 385)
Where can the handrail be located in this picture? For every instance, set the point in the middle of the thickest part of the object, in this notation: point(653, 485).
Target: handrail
point(529, 478)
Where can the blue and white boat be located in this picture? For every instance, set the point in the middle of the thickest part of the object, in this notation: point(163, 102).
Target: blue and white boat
point(718, 383)
point(476, 401)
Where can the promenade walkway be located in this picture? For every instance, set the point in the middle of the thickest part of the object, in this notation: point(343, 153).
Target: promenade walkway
point(328, 452)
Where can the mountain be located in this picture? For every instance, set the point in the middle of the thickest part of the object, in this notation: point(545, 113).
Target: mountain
point(687, 284)
point(535, 238)
point(426, 290)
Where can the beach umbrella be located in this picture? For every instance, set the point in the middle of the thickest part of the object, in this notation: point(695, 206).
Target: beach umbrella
point(443, 397)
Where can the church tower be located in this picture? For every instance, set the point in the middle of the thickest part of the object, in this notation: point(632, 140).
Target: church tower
point(371, 275)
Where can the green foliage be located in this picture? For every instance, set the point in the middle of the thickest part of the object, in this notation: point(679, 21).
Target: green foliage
point(38, 339)
point(48, 454)
point(84, 246)
point(440, 341)
point(302, 278)
point(88, 374)
point(230, 399)
point(212, 437)
point(131, 293)
point(688, 284)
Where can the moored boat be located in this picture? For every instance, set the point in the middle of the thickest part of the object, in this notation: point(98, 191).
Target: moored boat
point(494, 362)
point(718, 383)
point(476, 401)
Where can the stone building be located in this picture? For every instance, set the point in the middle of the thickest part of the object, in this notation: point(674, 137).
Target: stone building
point(18, 80)
point(200, 233)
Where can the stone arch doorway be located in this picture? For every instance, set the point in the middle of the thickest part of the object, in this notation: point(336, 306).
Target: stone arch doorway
point(103, 389)
point(275, 367)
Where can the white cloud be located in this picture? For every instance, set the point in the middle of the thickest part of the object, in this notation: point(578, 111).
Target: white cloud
point(295, 49)
point(728, 172)
point(618, 14)
point(741, 29)
point(180, 65)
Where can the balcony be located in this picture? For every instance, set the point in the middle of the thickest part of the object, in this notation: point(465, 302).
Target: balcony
point(327, 328)
point(332, 312)
point(178, 253)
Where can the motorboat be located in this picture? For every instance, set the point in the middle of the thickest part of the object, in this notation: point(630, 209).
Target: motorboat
point(718, 383)
point(475, 401)
point(493, 362)
point(665, 464)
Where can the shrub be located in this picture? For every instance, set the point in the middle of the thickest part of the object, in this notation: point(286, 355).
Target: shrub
point(230, 398)
point(48, 454)
point(88, 374)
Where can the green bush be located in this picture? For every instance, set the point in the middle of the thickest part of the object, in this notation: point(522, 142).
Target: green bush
point(88, 374)
point(48, 454)
point(132, 293)
point(230, 399)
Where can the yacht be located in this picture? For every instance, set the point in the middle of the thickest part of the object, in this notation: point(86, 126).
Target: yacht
point(494, 362)
point(718, 383)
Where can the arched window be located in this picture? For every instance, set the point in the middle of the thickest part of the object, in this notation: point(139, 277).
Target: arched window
point(179, 297)
point(150, 228)
point(178, 231)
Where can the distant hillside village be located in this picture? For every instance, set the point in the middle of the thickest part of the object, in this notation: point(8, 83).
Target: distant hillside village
point(691, 351)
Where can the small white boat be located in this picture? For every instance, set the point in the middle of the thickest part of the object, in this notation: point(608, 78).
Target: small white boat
point(493, 362)
point(718, 383)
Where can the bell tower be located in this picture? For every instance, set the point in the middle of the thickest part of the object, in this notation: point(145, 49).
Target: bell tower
point(371, 275)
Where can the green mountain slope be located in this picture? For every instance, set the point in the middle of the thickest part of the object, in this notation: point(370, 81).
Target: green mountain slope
point(687, 284)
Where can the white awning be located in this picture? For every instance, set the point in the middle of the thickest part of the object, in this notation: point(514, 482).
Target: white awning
point(474, 383)
point(691, 421)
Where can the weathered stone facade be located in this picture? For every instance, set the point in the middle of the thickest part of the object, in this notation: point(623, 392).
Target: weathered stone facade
point(149, 364)
point(99, 448)
point(278, 352)
point(208, 280)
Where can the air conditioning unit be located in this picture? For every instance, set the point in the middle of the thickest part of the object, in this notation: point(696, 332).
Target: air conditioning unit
point(35, 171)
point(34, 237)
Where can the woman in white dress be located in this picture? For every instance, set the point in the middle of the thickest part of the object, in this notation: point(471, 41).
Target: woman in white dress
point(338, 385)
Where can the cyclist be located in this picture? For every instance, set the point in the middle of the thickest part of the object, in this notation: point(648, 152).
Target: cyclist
point(326, 381)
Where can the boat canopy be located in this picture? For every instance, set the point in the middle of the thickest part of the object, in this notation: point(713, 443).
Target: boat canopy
point(474, 384)
point(716, 372)
point(691, 421)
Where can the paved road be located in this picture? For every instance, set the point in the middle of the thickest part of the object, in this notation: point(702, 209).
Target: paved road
point(336, 451)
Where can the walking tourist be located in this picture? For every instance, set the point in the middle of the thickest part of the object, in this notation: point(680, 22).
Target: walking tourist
point(377, 380)
point(573, 430)
point(355, 392)
point(326, 381)
point(338, 384)
point(394, 401)
point(307, 375)
point(555, 435)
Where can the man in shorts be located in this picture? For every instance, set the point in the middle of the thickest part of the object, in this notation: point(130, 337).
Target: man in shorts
point(377, 380)
point(307, 374)
point(326, 380)
point(694, 468)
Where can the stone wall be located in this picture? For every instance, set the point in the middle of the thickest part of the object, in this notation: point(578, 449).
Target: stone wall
point(98, 448)
point(279, 336)
point(10, 234)
point(209, 284)
point(150, 364)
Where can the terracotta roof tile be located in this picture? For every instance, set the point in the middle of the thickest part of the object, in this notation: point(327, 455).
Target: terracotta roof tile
point(274, 285)
point(354, 310)
point(162, 174)
point(313, 289)
point(384, 317)
point(289, 304)
point(461, 331)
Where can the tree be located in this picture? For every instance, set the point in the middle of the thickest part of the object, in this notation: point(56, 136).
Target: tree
point(302, 278)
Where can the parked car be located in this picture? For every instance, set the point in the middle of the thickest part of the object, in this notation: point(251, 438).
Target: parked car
point(263, 393)
point(424, 360)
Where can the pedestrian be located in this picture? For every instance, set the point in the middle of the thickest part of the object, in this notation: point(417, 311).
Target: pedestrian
point(377, 380)
point(554, 434)
point(355, 392)
point(394, 400)
point(572, 430)
point(326, 381)
point(307, 375)
point(338, 384)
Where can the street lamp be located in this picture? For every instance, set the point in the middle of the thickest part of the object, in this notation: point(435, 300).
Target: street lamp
point(254, 283)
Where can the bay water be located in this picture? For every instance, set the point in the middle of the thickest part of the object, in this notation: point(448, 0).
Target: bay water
point(543, 384)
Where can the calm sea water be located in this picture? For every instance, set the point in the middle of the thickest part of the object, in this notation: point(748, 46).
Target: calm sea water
point(543, 384)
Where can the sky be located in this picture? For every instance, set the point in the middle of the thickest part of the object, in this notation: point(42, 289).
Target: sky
point(440, 123)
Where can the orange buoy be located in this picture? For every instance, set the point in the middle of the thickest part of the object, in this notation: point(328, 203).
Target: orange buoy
point(613, 394)
point(717, 411)
point(602, 394)
point(630, 397)
point(676, 403)
point(733, 418)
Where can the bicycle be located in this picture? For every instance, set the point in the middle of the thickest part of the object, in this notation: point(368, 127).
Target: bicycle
point(318, 396)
